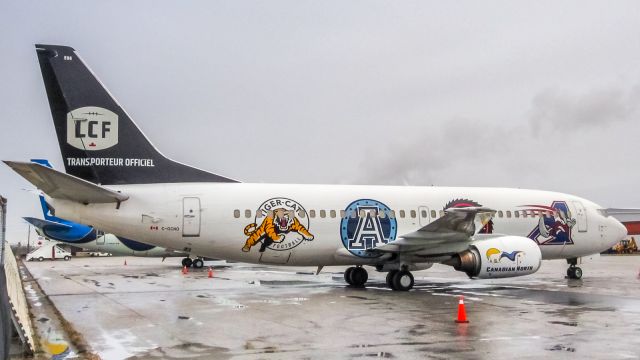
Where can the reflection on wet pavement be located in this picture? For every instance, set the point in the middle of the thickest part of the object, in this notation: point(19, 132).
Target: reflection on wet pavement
point(149, 309)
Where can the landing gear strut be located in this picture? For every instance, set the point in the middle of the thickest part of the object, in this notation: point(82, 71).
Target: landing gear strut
point(356, 276)
point(400, 280)
point(573, 272)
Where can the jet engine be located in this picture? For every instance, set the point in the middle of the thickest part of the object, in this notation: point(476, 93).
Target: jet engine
point(498, 257)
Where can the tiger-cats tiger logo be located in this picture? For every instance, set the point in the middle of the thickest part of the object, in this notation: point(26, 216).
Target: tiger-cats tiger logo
point(283, 226)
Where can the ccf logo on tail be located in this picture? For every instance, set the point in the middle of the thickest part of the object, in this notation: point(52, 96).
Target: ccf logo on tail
point(92, 128)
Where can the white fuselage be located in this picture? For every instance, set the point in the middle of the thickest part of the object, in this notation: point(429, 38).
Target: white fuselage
point(210, 219)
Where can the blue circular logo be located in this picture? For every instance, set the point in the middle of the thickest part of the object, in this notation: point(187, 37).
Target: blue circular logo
point(367, 224)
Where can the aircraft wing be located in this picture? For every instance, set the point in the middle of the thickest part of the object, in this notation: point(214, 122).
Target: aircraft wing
point(63, 186)
point(625, 216)
point(456, 226)
point(50, 225)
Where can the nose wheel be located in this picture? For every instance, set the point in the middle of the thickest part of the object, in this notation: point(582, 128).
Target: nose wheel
point(573, 272)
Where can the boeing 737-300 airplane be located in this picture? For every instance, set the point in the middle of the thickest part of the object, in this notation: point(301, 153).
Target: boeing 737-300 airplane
point(117, 181)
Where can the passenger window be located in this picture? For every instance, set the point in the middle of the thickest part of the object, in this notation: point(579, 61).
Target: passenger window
point(301, 214)
point(500, 213)
point(392, 214)
point(441, 213)
point(382, 214)
point(343, 214)
point(423, 213)
point(363, 214)
point(402, 214)
point(332, 213)
point(413, 214)
point(433, 214)
point(236, 213)
point(353, 214)
point(312, 213)
point(247, 213)
point(323, 214)
point(516, 214)
point(509, 213)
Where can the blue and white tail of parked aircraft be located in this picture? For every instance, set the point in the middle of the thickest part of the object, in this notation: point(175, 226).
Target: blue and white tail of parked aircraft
point(89, 238)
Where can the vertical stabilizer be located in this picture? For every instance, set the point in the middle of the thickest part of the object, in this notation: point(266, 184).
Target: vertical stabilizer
point(98, 140)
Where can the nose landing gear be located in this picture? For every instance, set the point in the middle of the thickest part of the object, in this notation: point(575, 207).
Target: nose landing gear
point(573, 272)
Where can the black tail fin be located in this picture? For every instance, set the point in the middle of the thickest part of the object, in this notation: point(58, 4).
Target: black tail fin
point(98, 140)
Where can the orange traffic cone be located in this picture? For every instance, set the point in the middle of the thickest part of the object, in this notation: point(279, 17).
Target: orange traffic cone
point(462, 314)
point(185, 270)
point(125, 262)
point(210, 272)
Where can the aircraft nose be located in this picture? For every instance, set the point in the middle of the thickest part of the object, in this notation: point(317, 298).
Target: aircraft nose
point(618, 231)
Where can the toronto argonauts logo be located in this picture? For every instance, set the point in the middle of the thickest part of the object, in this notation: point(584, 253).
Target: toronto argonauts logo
point(367, 224)
point(554, 227)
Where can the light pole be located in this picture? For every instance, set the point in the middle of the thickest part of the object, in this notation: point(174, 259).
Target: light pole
point(28, 238)
point(3, 227)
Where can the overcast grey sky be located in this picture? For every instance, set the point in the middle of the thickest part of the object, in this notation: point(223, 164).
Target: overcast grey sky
point(541, 94)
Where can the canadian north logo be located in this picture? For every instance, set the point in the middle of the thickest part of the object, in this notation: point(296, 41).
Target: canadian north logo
point(494, 255)
point(367, 224)
point(283, 226)
point(92, 128)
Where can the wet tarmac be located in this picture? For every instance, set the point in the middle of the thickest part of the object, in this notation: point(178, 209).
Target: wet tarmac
point(150, 310)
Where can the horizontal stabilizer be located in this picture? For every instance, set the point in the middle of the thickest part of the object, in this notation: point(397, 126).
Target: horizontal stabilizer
point(59, 185)
point(50, 225)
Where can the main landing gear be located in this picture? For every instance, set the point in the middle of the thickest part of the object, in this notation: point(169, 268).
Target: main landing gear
point(398, 280)
point(197, 263)
point(356, 276)
point(573, 272)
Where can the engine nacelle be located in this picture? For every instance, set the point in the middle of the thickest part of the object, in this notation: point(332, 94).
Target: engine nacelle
point(499, 257)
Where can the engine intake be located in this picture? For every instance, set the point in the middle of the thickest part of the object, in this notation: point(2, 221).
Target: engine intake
point(499, 257)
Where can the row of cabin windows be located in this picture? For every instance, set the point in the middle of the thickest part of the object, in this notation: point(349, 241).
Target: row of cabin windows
point(402, 213)
point(343, 214)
